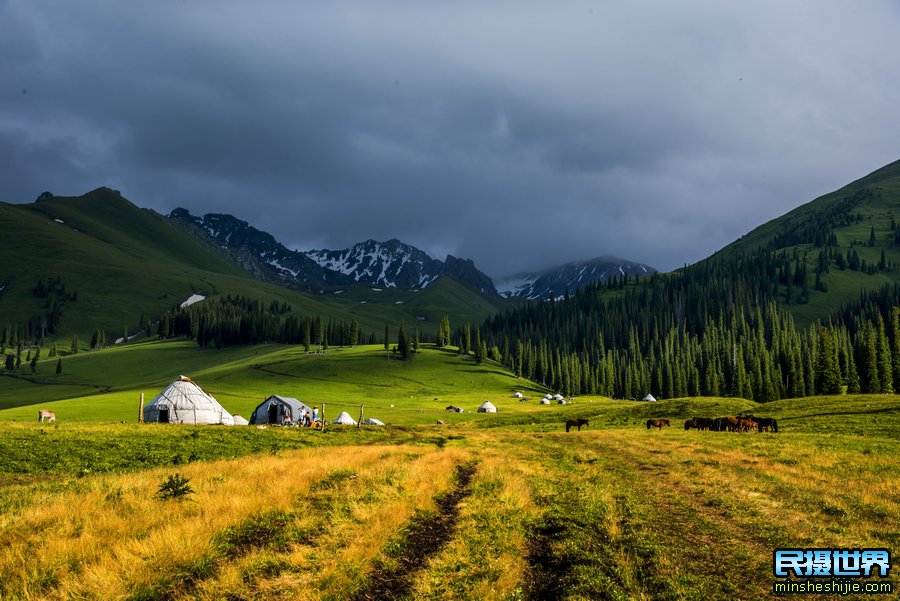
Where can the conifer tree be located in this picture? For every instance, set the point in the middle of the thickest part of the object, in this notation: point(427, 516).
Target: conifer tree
point(403, 346)
point(869, 378)
point(59, 366)
point(387, 334)
point(354, 333)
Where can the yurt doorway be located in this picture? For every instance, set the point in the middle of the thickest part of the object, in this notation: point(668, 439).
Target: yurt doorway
point(164, 415)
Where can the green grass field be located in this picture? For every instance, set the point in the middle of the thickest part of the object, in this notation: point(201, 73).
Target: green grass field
point(615, 511)
point(106, 385)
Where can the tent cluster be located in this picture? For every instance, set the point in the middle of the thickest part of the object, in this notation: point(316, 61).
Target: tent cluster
point(184, 402)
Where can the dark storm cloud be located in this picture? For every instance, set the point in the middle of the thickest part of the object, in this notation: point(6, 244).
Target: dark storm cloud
point(516, 134)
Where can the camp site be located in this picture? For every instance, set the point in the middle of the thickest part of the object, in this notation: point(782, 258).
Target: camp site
point(322, 513)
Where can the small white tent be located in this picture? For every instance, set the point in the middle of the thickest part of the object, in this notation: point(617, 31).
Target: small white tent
point(239, 421)
point(518, 395)
point(487, 407)
point(545, 401)
point(649, 399)
point(183, 402)
point(548, 396)
point(344, 419)
point(373, 422)
point(558, 397)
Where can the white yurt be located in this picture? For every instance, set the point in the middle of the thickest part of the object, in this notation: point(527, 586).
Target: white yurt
point(183, 402)
point(649, 399)
point(344, 419)
point(487, 407)
point(373, 422)
point(518, 395)
point(239, 420)
point(545, 401)
point(548, 396)
point(558, 397)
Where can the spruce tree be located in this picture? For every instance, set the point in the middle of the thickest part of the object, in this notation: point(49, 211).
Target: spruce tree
point(387, 334)
point(354, 333)
point(59, 366)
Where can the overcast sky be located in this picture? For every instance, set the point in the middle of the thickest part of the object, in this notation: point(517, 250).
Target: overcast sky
point(517, 134)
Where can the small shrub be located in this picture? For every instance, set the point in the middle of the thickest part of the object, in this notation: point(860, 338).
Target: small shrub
point(175, 486)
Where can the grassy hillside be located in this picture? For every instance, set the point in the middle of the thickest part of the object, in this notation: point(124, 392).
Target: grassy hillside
point(106, 385)
point(874, 202)
point(124, 263)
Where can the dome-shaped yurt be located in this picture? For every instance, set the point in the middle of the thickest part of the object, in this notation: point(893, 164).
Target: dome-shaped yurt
point(487, 407)
point(183, 402)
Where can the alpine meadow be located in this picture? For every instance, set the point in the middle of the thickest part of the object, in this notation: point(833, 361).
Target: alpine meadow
point(439, 503)
point(427, 301)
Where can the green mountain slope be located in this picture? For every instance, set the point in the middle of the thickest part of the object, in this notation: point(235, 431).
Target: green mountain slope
point(118, 263)
point(859, 218)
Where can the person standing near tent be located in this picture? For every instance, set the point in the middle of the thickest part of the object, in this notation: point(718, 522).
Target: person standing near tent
point(315, 416)
point(307, 421)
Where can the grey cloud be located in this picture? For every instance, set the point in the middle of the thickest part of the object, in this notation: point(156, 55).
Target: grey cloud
point(516, 134)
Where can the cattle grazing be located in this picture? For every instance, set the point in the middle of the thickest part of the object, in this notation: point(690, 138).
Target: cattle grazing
point(45, 414)
point(572, 423)
point(659, 423)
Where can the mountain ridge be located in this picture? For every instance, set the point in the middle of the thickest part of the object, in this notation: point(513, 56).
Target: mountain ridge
point(390, 264)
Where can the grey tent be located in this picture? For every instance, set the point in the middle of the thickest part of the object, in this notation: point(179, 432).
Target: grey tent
point(373, 422)
point(276, 410)
point(649, 399)
point(183, 402)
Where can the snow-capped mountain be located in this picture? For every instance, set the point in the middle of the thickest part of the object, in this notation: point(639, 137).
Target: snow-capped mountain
point(389, 264)
point(553, 283)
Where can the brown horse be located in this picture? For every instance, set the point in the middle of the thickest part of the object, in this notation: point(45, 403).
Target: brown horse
point(764, 423)
point(659, 423)
point(572, 423)
point(691, 423)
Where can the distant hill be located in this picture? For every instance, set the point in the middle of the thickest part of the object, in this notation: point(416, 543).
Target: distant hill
point(391, 264)
point(557, 281)
point(74, 264)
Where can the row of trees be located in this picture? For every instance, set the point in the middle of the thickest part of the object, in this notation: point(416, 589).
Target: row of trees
point(712, 329)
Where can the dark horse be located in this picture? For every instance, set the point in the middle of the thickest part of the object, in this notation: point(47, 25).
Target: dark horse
point(659, 423)
point(572, 423)
point(764, 423)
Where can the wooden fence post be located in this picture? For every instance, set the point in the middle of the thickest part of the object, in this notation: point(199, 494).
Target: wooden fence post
point(141, 410)
point(359, 423)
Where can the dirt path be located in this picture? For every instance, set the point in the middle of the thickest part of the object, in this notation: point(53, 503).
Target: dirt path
point(425, 537)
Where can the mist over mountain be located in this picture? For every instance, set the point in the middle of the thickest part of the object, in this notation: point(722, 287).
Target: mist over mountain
point(557, 281)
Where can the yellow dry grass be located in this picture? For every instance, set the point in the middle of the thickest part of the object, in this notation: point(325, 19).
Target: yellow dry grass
point(111, 537)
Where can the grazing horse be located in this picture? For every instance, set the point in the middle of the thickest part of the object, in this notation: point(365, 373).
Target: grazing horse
point(572, 423)
point(45, 414)
point(764, 423)
point(691, 423)
point(659, 423)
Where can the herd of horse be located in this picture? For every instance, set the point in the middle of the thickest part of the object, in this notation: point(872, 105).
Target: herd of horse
point(741, 423)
